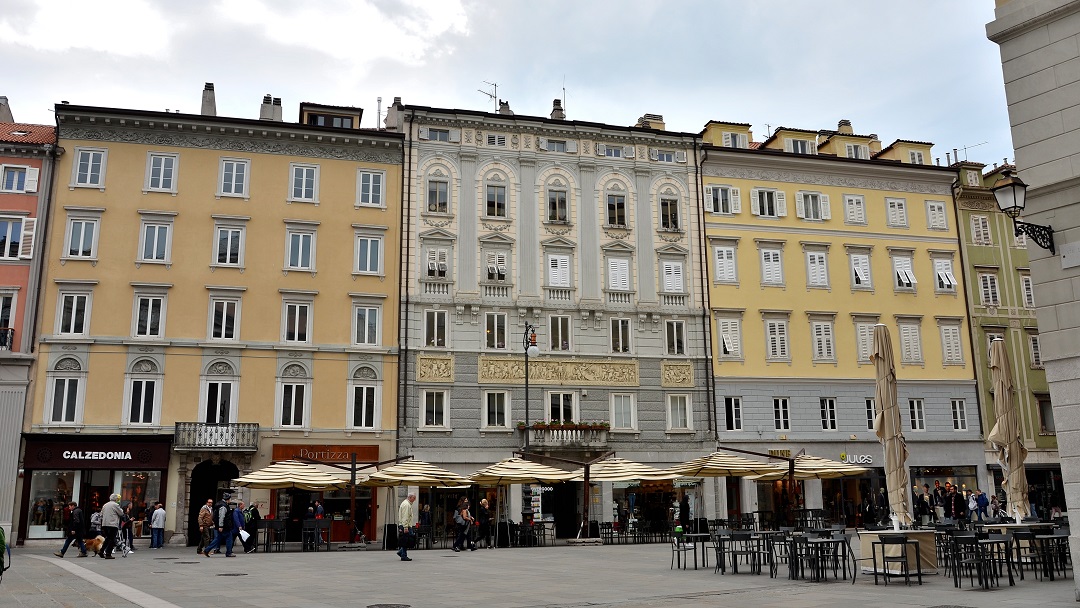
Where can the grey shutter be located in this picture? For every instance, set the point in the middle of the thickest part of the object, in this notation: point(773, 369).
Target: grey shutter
point(571, 146)
point(455, 136)
point(800, 205)
point(653, 154)
point(736, 200)
point(601, 150)
point(423, 133)
point(826, 212)
point(541, 143)
point(680, 156)
point(727, 140)
point(781, 204)
point(628, 152)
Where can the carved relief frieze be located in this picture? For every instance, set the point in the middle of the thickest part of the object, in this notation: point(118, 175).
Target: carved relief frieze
point(437, 223)
point(434, 368)
point(144, 366)
point(558, 372)
point(514, 142)
point(802, 177)
point(560, 231)
point(979, 205)
point(676, 375)
point(495, 227)
point(468, 135)
point(671, 237)
point(619, 235)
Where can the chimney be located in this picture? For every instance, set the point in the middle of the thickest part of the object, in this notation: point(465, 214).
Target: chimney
point(504, 108)
point(5, 110)
point(875, 144)
point(556, 110)
point(948, 159)
point(266, 110)
point(277, 109)
point(209, 104)
point(955, 155)
point(651, 121)
point(394, 116)
point(844, 126)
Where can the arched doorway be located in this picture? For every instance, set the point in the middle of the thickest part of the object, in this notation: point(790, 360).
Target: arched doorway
point(206, 479)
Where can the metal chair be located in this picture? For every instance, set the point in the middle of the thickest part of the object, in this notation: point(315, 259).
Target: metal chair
point(901, 543)
point(679, 550)
point(308, 533)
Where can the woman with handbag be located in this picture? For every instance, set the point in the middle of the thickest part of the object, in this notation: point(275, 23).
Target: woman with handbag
point(463, 522)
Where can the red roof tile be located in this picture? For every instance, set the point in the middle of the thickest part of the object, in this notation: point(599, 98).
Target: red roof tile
point(754, 145)
point(19, 133)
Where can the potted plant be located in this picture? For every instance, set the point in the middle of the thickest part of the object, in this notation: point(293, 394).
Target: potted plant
point(521, 425)
point(540, 425)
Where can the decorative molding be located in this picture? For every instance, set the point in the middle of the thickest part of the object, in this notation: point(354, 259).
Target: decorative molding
point(558, 372)
point(294, 371)
point(671, 237)
point(434, 368)
point(495, 227)
point(68, 364)
point(840, 181)
point(144, 366)
point(365, 373)
point(234, 144)
point(220, 368)
point(437, 224)
point(69, 347)
point(617, 234)
point(558, 231)
point(676, 375)
point(979, 205)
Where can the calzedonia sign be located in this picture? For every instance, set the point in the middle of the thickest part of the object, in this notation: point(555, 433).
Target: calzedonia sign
point(103, 453)
point(70, 455)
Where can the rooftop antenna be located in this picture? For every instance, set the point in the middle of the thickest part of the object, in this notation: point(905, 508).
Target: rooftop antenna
point(768, 129)
point(494, 94)
point(966, 148)
point(378, 111)
point(564, 92)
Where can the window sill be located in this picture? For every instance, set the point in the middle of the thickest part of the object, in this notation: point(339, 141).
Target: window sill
point(558, 223)
point(64, 260)
point(379, 275)
point(220, 195)
point(152, 191)
point(497, 431)
point(680, 431)
point(730, 359)
point(286, 271)
point(616, 227)
point(670, 230)
point(433, 429)
point(305, 201)
point(214, 267)
point(495, 218)
point(369, 206)
point(87, 186)
point(438, 214)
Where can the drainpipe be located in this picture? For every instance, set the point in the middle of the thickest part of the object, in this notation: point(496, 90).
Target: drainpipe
point(404, 272)
point(703, 276)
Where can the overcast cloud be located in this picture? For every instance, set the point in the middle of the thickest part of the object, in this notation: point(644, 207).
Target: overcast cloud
point(918, 69)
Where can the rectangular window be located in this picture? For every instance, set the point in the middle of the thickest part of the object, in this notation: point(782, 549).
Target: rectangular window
point(363, 407)
point(857, 151)
point(437, 264)
point(161, 172)
point(496, 201)
point(733, 409)
point(89, 167)
point(935, 216)
point(664, 156)
point(368, 254)
point(155, 243)
point(679, 412)
point(11, 230)
point(988, 289)
point(141, 408)
point(673, 277)
point(74, 313)
point(730, 338)
point(669, 214)
point(723, 199)
point(13, 179)
point(800, 146)
point(292, 404)
point(559, 332)
point(495, 330)
point(776, 340)
point(556, 145)
point(149, 311)
point(980, 230)
point(897, 212)
point(367, 325)
point(870, 414)
point(558, 271)
point(781, 416)
point(65, 400)
point(725, 264)
point(370, 188)
point(1027, 290)
point(854, 210)
point(620, 335)
point(82, 237)
point(229, 247)
point(496, 266)
point(917, 414)
point(297, 322)
point(864, 341)
point(860, 271)
point(676, 337)
point(301, 251)
point(218, 404)
point(224, 316)
point(915, 157)
point(823, 341)
point(435, 328)
point(769, 203)
point(435, 408)
point(500, 140)
point(812, 206)
point(951, 345)
point(561, 407)
point(619, 274)
point(622, 412)
point(234, 177)
point(959, 415)
point(438, 197)
point(817, 270)
point(772, 269)
point(828, 413)
point(902, 269)
point(1046, 417)
point(943, 271)
point(495, 410)
point(304, 183)
point(616, 210)
point(1036, 352)
point(556, 206)
point(439, 135)
point(910, 343)
point(613, 151)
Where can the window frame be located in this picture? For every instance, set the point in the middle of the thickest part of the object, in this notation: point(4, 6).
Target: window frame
point(55, 377)
point(944, 279)
point(575, 405)
point(870, 403)
point(367, 308)
point(733, 414)
point(817, 278)
point(855, 261)
point(855, 205)
point(959, 414)
point(722, 267)
point(18, 186)
point(687, 411)
point(781, 350)
point(87, 297)
point(723, 199)
point(561, 202)
point(374, 242)
point(1027, 291)
point(245, 193)
point(614, 412)
point(136, 316)
point(233, 401)
point(823, 340)
point(311, 233)
point(84, 216)
point(911, 349)
point(496, 325)
point(236, 302)
point(670, 214)
point(781, 414)
point(375, 388)
point(896, 215)
point(77, 161)
point(678, 348)
point(303, 197)
point(432, 315)
point(621, 337)
point(729, 338)
point(438, 185)
point(917, 414)
point(155, 401)
point(777, 203)
point(10, 221)
point(828, 413)
point(952, 343)
point(373, 190)
point(615, 210)
point(148, 181)
point(1035, 350)
point(989, 289)
point(305, 403)
point(772, 269)
point(936, 210)
point(864, 339)
point(554, 333)
point(494, 208)
point(903, 266)
point(485, 412)
point(290, 322)
point(435, 399)
point(980, 231)
point(231, 224)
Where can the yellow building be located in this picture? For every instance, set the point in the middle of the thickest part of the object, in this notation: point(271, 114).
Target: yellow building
point(814, 237)
point(219, 293)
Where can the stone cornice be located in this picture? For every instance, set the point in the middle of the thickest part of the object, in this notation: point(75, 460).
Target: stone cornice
point(822, 178)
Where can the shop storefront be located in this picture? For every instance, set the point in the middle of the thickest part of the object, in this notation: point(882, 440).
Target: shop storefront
point(58, 470)
point(1045, 489)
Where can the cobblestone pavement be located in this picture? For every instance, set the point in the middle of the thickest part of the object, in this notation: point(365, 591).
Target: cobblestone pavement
point(625, 576)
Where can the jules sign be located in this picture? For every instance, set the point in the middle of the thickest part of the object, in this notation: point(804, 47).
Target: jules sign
point(856, 458)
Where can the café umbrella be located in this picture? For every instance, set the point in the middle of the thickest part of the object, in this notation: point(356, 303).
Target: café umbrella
point(290, 474)
point(412, 473)
point(887, 426)
point(1005, 435)
point(719, 464)
point(620, 469)
point(514, 471)
point(814, 467)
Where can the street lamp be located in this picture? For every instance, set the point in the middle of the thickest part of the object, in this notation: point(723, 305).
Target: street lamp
point(528, 342)
point(1011, 195)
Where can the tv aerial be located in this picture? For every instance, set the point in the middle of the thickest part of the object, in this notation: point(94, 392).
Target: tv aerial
point(493, 94)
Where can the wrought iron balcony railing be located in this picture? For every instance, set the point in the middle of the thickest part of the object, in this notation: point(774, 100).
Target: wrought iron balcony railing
point(236, 436)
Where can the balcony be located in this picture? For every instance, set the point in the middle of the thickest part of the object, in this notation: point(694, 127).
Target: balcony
point(234, 437)
point(497, 292)
point(436, 289)
point(559, 294)
point(568, 438)
point(673, 300)
point(620, 297)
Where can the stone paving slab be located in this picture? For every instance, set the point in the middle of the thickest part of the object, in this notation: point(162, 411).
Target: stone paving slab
point(626, 576)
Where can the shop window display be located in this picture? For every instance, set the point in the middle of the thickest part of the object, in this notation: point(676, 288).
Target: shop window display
point(137, 487)
point(50, 491)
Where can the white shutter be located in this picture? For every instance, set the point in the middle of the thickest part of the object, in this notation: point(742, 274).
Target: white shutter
point(709, 200)
point(755, 201)
point(619, 274)
point(781, 204)
point(736, 201)
point(653, 154)
point(725, 263)
point(541, 143)
point(443, 266)
point(800, 205)
point(680, 156)
point(423, 133)
point(771, 269)
point(864, 336)
point(455, 136)
point(787, 147)
point(729, 337)
point(601, 150)
point(727, 140)
point(818, 274)
point(559, 271)
point(26, 241)
point(826, 212)
point(432, 260)
point(673, 277)
point(571, 146)
point(628, 152)
point(31, 179)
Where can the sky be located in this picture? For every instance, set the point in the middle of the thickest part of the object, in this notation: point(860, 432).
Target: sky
point(914, 69)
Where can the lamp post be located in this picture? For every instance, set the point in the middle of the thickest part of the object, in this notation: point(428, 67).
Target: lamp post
point(1011, 195)
point(528, 342)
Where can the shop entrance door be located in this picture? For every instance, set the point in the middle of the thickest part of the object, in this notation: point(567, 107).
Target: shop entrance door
point(563, 504)
point(206, 479)
point(97, 485)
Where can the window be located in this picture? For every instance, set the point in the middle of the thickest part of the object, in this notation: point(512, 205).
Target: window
point(559, 333)
point(723, 199)
point(669, 214)
point(496, 201)
point(155, 245)
point(556, 206)
point(679, 412)
point(229, 246)
point(305, 183)
point(88, 168)
point(364, 407)
point(917, 414)
point(7, 320)
point(817, 270)
point(905, 277)
point(733, 410)
point(435, 408)
point(435, 328)
point(897, 213)
point(943, 271)
point(556, 145)
point(438, 134)
point(149, 316)
point(65, 400)
point(1036, 353)
point(952, 349)
point(141, 398)
point(730, 333)
point(812, 206)
point(218, 404)
point(910, 343)
point(613, 151)
point(854, 209)
point(781, 415)
point(935, 216)
point(623, 412)
point(616, 210)
point(296, 322)
point(800, 146)
point(824, 349)
point(224, 318)
point(974, 178)
point(619, 274)
point(74, 315)
point(81, 238)
point(959, 415)
point(561, 407)
point(725, 264)
point(768, 203)
point(558, 271)
point(772, 269)
point(1046, 416)
point(437, 263)
point(676, 337)
point(620, 335)
point(366, 331)
point(161, 172)
point(496, 410)
point(329, 120)
point(495, 330)
point(864, 341)
point(672, 277)
point(369, 188)
point(1027, 290)
point(915, 157)
point(664, 156)
point(980, 230)
point(870, 414)
point(776, 340)
point(860, 271)
point(496, 266)
point(300, 250)
point(234, 177)
point(733, 140)
point(438, 196)
point(857, 151)
point(18, 178)
point(828, 413)
point(988, 289)
point(292, 404)
point(11, 235)
point(368, 255)
point(500, 140)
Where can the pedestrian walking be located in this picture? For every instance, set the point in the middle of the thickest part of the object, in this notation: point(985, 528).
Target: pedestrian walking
point(206, 525)
point(223, 523)
point(111, 516)
point(406, 520)
point(76, 530)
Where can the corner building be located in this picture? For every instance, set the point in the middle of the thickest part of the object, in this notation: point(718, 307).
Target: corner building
point(220, 293)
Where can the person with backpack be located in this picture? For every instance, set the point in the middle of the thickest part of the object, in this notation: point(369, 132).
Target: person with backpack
point(251, 524)
point(223, 522)
point(76, 530)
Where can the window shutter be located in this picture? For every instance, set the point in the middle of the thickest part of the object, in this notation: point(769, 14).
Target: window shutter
point(826, 212)
point(26, 242)
point(653, 154)
point(781, 204)
point(628, 152)
point(571, 146)
point(455, 136)
point(423, 133)
point(755, 201)
point(432, 259)
point(30, 185)
point(443, 266)
point(787, 147)
point(601, 150)
point(865, 338)
point(541, 143)
point(736, 203)
point(673, 277)
point(709, 200)
point(680, 156)
point(726, 140)
point(800, 205)
point(619, 274)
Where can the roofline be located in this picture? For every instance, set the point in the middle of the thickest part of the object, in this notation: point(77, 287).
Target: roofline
point(327, 105)
point(547, 121)
point(725, 122)
point(828, 158)
point(793, 129)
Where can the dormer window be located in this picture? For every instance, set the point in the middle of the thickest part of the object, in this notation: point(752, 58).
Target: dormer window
point(857, 151)
point(800, 146)
point(734, 140)
point(915, 157)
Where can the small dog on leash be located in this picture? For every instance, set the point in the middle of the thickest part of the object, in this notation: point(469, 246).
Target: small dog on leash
point(93, 545)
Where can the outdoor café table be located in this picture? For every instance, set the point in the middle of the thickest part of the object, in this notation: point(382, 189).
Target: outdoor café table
point(927, 554)
point(830, 549)
point(699, 538)
point(1014, 527)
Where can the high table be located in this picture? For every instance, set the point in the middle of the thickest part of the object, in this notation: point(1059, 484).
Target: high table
point(927, 551)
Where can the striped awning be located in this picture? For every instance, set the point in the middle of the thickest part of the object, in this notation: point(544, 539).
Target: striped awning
point(620, 469)
point(720, 464)
point(518, 470)
point(415, 473)
point(813, 467)
point(291, 474)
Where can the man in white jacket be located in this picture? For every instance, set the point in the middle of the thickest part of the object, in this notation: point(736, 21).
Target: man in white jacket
point(157, 527)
